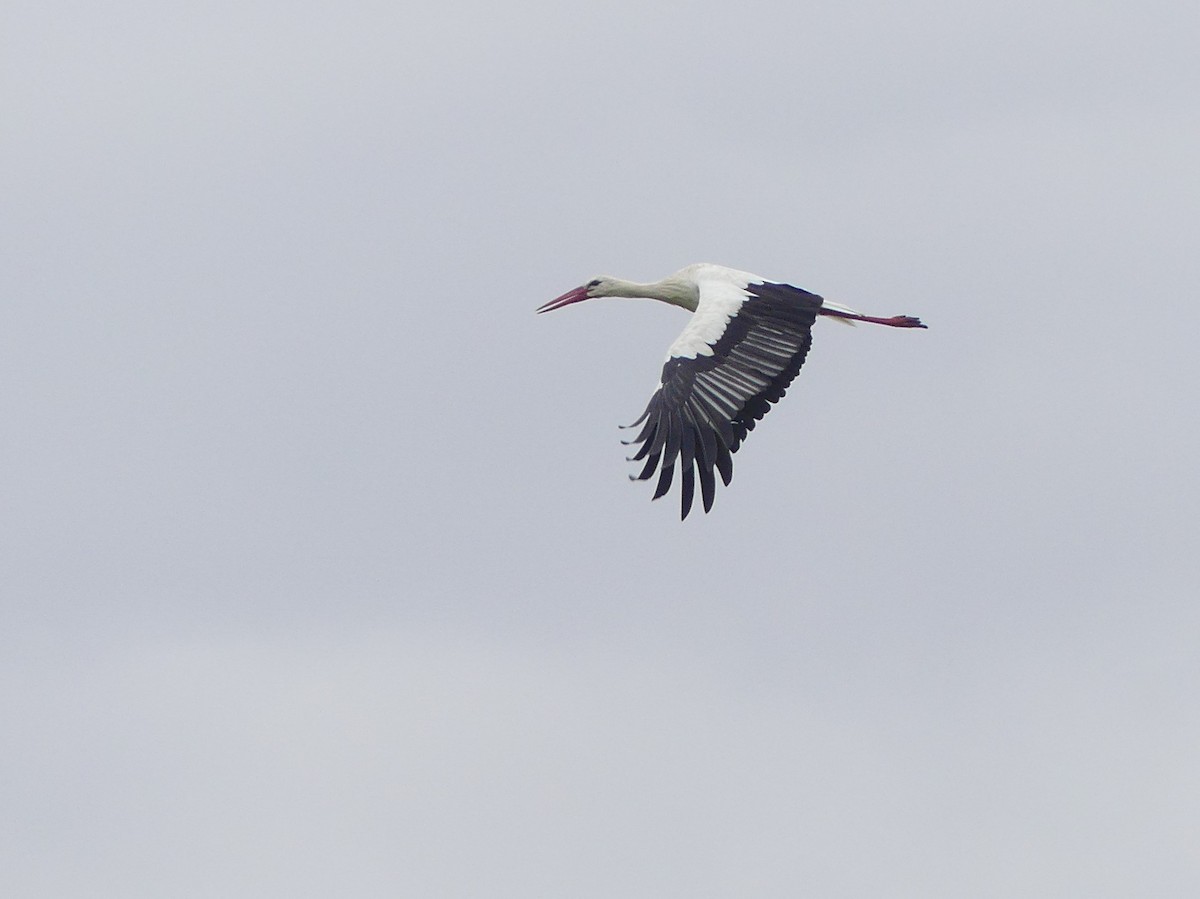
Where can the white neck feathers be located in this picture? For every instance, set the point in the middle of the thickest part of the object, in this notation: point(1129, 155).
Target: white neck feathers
point(675, 291)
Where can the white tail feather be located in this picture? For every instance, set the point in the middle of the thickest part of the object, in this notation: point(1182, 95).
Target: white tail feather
point(838, 307)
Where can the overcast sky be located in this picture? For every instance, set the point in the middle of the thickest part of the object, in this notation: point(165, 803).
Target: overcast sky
point(321, 573)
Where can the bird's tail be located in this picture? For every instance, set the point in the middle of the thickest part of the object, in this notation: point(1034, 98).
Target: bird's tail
point(838, 307)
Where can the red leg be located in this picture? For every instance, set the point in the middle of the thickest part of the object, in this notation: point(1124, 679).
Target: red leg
point(896, 321)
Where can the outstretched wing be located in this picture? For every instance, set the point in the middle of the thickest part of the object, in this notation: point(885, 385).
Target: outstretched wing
point(742, 348)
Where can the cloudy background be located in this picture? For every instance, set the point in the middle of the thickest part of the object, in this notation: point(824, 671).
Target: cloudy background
point(321, 575)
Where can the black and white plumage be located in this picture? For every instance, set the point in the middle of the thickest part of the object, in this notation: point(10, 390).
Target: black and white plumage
point(746, 341)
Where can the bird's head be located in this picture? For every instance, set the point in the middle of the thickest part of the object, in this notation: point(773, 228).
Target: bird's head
point(597, 287)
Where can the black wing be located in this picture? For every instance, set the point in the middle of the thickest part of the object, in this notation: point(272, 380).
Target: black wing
point(705, 406)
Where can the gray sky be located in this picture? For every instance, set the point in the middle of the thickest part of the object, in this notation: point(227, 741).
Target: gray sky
point(321, 573)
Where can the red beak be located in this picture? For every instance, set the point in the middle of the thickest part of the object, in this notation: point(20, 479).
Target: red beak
point(578, 295)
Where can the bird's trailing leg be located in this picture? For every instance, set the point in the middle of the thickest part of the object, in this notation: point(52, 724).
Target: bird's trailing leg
point(896, 321)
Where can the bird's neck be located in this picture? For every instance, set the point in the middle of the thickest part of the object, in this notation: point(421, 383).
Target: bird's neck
point(675, 291)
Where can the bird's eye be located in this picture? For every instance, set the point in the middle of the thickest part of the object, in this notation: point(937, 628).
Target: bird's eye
point(595, 283)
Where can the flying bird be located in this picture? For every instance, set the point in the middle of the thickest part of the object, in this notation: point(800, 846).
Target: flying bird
point(746, 341)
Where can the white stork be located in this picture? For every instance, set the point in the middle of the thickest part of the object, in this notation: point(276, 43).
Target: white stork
point(745, 343)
